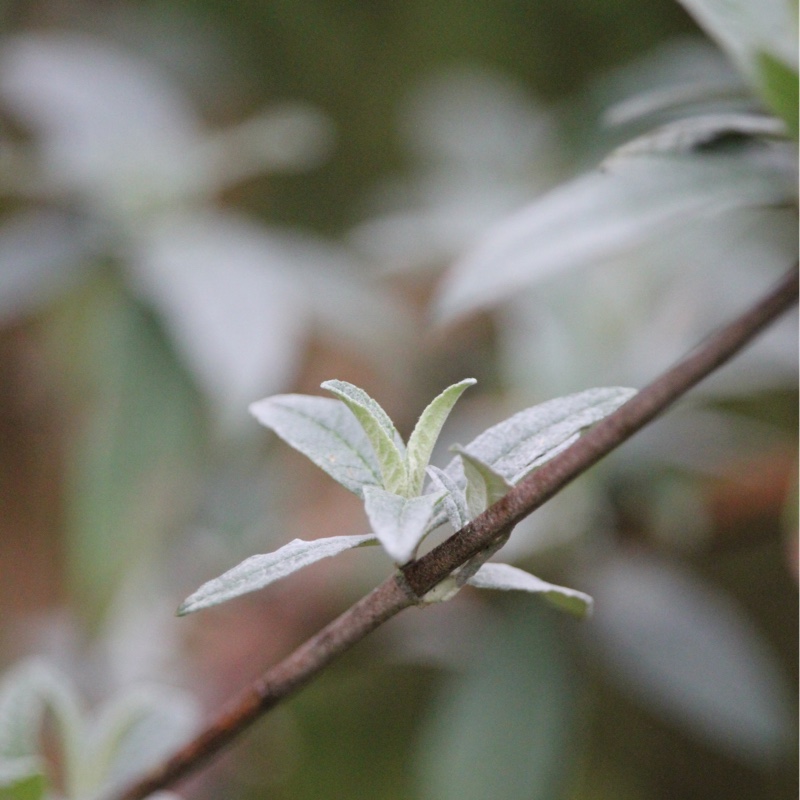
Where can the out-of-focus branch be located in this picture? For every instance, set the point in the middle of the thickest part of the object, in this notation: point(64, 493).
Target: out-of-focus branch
point(415, 579)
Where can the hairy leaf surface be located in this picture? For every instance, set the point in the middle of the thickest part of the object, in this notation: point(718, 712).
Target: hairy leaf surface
point(259, 571)
point(326, 432)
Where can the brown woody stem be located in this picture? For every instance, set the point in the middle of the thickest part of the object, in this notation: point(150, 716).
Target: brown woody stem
point(417, 578)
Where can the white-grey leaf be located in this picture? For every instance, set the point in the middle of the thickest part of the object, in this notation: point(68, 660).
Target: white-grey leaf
point(687, 651)
point(743, 28)
point(107, 121)
point(605, 213)
point(400, 523)
point(224, 289)
point(259, 571)
point(508, 578)
point(389, 448)
point(525, 440)
point(324, 430)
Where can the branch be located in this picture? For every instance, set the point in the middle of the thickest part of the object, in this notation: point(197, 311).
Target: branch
point(405, 587)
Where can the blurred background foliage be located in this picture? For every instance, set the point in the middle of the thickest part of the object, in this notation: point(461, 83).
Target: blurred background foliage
point(204, 203)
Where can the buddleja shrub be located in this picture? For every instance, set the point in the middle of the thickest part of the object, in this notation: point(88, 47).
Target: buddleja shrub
point(354, 441)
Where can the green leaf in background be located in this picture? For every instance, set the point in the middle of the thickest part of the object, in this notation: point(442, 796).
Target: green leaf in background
point(259, 571)
point(380, 430)
point(602, 214)
point(400, 523)
point(325, 431)
point(529, 438)
point(426, 432)
point(779, 86)
point(22, 779)
point(504, 727)
point(131, 464)
point(508, 578)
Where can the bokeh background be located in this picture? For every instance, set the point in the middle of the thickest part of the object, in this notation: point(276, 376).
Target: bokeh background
point(204, 203)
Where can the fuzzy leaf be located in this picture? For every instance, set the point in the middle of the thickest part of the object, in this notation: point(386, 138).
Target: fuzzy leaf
point(604, 213)
point(506, 577)
point(743, 28)
point(400, 523)
point(260, 570)
point(455, 503)
point(518, 444)
point(325, 431)
point(484, 485)
point(380, 430)
point(426, 432)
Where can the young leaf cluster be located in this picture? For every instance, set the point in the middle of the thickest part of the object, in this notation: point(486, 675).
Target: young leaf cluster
point(405, 498)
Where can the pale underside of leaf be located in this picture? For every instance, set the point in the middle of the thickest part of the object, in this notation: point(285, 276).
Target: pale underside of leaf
point(426, 432)
point(605, 213)
point(383, 436)
point(259, 571)
point(508, 578)
point(326, 432)
point(400, 523)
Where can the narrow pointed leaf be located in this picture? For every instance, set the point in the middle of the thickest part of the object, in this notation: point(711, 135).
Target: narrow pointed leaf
point(454, 502)
point(259, 571)
point(426, 432)
point(531, 437)
point(325, 431)
point(506, 577)
point(400, 523)
point(380, 430)
point(484, 485)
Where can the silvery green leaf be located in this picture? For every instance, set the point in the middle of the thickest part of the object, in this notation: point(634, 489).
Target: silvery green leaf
point(484, 485)
point(604, 213)
point(400, 523)
point(325, 431)
point(454, 502)
point(743, 28)
point(380, 430)
point(426, 432)
point(260, 570)
point(518, 444)
point(506, 577)
point(224, 288)
point(686, 649)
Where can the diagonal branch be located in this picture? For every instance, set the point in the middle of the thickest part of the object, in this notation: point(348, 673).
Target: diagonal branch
point(405, 588)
